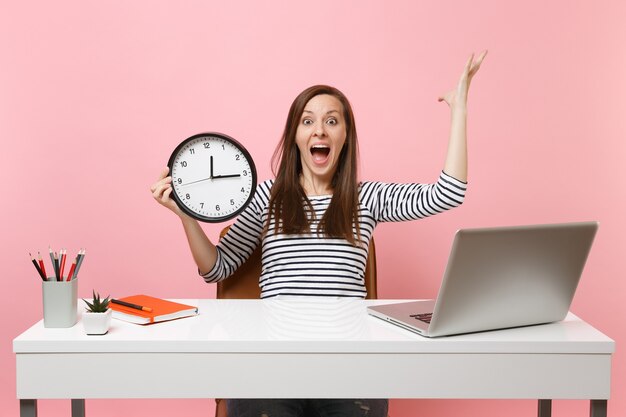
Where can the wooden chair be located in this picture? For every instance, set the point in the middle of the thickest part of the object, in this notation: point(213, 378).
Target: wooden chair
point(244, 284)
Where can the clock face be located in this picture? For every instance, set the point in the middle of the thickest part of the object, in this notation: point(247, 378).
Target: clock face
point(213, 177)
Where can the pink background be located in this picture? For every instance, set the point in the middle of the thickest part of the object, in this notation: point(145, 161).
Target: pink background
point(95, 95)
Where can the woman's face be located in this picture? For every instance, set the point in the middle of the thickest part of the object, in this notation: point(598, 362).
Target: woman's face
point(320, 137)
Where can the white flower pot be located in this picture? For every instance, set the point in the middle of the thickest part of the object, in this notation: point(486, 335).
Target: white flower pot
point(97, 323)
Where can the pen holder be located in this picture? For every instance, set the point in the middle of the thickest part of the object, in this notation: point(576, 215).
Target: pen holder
point(60, 299)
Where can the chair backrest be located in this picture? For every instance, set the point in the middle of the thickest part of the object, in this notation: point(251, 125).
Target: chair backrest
point(244, 283)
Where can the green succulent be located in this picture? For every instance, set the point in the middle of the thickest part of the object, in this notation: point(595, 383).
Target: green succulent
point(97, 305)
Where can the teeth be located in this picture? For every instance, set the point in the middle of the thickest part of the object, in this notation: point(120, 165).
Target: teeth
point(320, 152)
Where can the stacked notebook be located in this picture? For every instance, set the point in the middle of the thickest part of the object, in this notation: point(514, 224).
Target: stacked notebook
point(162, 310)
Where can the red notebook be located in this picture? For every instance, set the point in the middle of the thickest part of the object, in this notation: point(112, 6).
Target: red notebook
point(162, 310)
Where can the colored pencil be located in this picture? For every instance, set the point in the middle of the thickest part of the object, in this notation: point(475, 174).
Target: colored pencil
point(62, 254)
point(37, 267)
point(79, 261)
point(71, 273)
point(52, 260)
point(56, 266)
point(41, 264)
point(131, 305)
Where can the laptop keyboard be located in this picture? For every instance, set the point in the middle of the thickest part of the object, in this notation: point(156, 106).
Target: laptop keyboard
point(425, 317)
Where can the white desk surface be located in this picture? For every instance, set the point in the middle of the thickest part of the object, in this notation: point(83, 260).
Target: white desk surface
point(310, 348)
point(304, 325)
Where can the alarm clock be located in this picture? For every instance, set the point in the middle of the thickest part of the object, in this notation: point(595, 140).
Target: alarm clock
point(213, 177)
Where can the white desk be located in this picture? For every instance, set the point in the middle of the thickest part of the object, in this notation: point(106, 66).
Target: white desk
point(307, 349)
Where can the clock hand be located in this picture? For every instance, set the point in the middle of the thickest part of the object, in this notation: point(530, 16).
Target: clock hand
point(226, 176)
point(212, 178)
point(193, 182)
point(211, 167)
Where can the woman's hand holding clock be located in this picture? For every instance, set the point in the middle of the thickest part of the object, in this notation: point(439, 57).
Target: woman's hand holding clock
point(209, 177)
point(161, 191)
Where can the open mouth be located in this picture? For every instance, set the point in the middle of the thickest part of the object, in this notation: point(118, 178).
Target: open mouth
point(320, 153)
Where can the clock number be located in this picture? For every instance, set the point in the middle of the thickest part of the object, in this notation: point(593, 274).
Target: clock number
point(243, 190)
point(217, 207)
point(183, 164)
point(192, 151)
point(207, 145)
point(201, 205)
point(187, 196)
point(232, 202)
point(237, 157)
point(179, 180)
point(245, 173)
point(223, 148)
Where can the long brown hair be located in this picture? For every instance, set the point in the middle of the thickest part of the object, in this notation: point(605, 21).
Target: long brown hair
point(287, 197)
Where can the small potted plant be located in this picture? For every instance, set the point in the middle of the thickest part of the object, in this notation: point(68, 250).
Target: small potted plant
point(97, 315)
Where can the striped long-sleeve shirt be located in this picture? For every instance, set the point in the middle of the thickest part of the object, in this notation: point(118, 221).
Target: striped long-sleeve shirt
point(315, 265)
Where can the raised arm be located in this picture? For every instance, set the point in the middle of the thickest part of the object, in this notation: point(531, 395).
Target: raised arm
point(456, 157)
point(202, 249)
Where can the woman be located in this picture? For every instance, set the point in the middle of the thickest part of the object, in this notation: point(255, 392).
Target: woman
point(315, 220)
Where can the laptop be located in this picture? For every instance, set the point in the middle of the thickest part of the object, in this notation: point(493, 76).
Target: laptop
point(500, 278)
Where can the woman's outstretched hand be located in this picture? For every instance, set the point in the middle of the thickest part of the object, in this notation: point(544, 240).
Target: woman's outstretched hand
point(456, 157)
point(457, 98)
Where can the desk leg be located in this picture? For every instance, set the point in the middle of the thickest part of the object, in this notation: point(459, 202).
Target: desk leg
point(78, 408)
point(545, 408)
point(598, 408)
point(28, 408)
